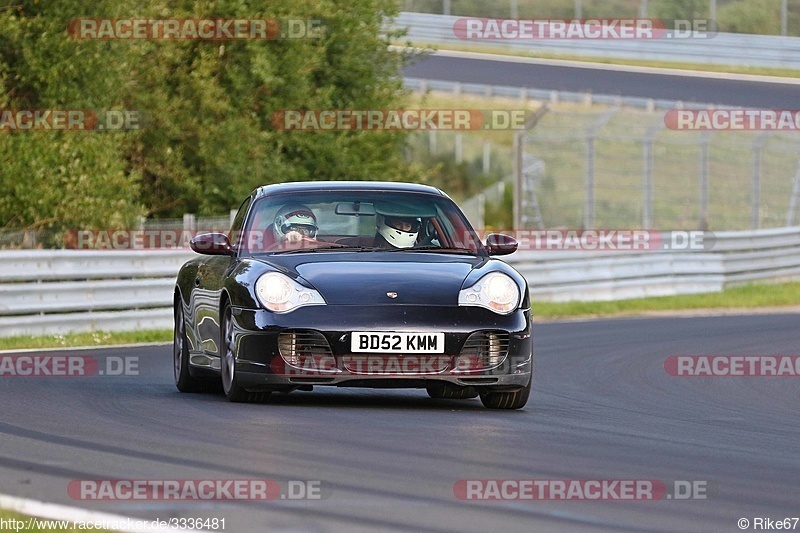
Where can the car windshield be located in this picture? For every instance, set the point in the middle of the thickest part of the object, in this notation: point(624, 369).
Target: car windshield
point(320, 221)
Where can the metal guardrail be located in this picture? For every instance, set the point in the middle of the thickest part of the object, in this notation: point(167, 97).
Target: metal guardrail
point(723, 48)
point(61, 291)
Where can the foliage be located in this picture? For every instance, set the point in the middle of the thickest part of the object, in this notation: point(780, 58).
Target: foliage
point(205, 138)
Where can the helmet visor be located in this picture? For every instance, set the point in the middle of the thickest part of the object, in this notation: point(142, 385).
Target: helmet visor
point(409, 225)
point(306, 230)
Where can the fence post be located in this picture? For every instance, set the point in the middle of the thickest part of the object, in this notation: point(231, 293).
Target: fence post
point(232, 216)
point(784, 16)
point(514, 12)
point(578, 9)
point(704, 182)
point(445, 7)
point(647, 182)
point(432, 141)
point(588, 203)
point(189, 222)
point(459, 147)
point(756, 190)
point(487, 157)
point(518, 147)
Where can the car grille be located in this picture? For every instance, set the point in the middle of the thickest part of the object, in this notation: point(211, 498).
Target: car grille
point(296, 347)
point(484, 349)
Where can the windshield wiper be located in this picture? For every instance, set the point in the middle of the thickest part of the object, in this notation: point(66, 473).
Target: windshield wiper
point(433, 248)
point(332, 248)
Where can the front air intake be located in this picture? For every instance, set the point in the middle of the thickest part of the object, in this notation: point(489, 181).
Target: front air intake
point(483, 350)
point(296, 347)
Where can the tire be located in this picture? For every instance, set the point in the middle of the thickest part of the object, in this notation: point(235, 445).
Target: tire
point(438, 390)
point(230, 385)
point(507, 400)
point(180, 355)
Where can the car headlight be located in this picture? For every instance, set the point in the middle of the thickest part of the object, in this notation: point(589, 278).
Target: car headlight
point(281, 294)
point(495, 291)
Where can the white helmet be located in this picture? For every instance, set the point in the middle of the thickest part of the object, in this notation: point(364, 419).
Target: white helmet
point(294, 217)
point(400, 232)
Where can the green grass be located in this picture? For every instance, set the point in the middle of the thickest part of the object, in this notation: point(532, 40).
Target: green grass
point(9, 515)
point(95, 338)
point(750, 296)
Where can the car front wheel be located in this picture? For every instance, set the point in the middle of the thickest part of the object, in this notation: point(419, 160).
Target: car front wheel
point(180, 355)
point(507, 400)
point(230, 385)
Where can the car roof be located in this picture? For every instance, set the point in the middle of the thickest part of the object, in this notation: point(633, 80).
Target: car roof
point(388, 186)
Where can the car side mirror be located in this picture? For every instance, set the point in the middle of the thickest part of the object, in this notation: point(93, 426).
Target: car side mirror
point(500, 244)
point(211, 244)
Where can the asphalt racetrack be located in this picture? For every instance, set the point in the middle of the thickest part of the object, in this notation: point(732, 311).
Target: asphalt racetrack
point(602, 408)
point(700, 89)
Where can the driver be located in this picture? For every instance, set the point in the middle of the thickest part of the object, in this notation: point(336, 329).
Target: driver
point(294, 223)
point(396, 232)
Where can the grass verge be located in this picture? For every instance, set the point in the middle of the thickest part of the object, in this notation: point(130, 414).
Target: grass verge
point(94, 338)
point(743, 297)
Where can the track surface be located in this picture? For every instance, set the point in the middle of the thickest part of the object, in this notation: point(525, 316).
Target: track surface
point(602, 408)
point(599, 81)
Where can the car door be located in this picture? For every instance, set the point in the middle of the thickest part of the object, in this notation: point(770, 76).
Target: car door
point(207, 292)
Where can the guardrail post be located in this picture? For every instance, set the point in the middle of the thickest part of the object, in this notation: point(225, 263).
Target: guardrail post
point(189, 222)
point(487, 155)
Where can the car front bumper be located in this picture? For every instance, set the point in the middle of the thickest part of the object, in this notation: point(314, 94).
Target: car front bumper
point(261, 366)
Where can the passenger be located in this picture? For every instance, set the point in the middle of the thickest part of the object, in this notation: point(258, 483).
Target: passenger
point(294, 224)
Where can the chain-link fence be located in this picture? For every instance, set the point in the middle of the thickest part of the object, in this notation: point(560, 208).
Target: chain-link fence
point(619, 167)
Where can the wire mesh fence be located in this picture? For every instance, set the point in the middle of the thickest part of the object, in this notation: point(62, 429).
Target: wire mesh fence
point(615, 167)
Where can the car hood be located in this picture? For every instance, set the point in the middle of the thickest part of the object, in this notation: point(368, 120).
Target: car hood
point(354, 279)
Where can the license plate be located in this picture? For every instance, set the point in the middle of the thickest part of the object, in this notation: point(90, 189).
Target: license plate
point(401, 342)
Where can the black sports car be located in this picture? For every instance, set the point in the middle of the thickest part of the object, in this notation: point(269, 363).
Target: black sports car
point(353, 284)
